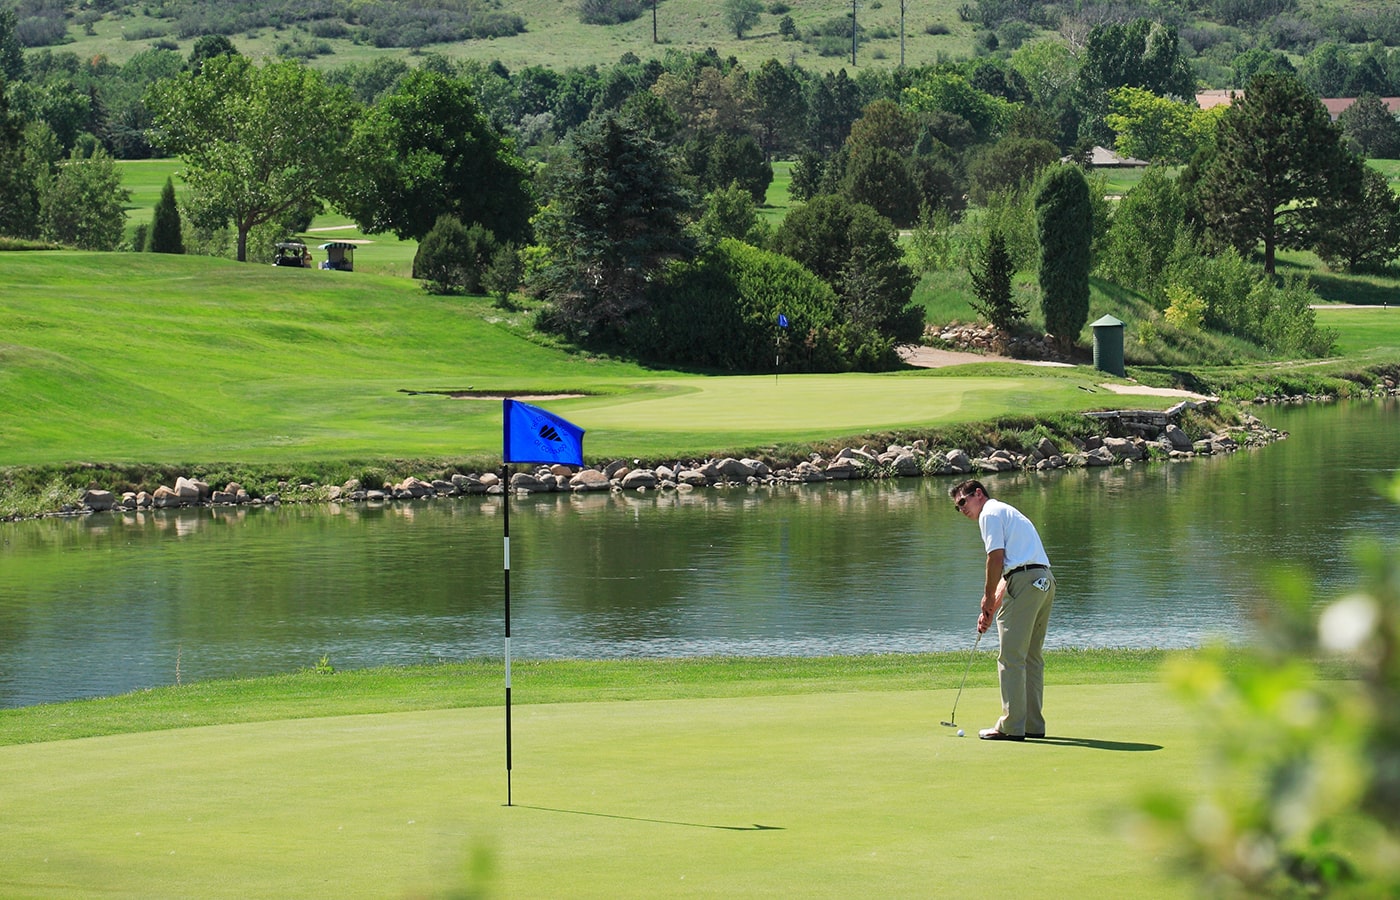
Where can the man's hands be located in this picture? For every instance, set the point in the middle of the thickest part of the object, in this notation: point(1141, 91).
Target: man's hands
point(989, 610)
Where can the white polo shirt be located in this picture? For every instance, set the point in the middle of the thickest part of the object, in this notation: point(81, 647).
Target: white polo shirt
point(1004, 527)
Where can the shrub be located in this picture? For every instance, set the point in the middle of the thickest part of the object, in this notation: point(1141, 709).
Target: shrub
point(1185, 308)
point(721, 311)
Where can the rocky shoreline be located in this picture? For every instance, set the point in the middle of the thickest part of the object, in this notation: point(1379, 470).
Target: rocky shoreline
point(1125, 437)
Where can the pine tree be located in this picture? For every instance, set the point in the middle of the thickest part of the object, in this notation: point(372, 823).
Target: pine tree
point(991, 285)
point(166, 235)
point(1279, 163)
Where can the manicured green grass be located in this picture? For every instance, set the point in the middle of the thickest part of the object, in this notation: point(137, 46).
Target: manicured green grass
point(380, 254)
point(314, 694)
point(821, 777)
point(1365, 333)
point(828, 794)
point(155, 358)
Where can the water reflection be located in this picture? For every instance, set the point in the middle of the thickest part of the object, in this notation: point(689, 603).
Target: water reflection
point(1163, 555)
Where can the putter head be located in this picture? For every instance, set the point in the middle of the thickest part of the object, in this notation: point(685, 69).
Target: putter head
point(948, 724)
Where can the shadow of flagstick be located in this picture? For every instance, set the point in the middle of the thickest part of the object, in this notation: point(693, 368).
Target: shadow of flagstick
point(580, 812)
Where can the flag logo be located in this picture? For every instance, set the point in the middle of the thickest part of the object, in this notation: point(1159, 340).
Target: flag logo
point(534, 435)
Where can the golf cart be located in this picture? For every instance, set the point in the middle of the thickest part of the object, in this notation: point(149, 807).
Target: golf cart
point(292, 253)
point(340, 256)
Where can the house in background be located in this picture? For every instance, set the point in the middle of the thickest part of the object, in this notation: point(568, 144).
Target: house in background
point(1335, 105)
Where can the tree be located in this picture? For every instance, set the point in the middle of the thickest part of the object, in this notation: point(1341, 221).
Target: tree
point(991, 285)
point(1370, 128)
point(84, 205)
point(1008, 165)
point(11, 53)
point(1157, 129)
point(1367, 233)
point(424, 150)
point(1277, 158)
point(1145, 230)
point(731, 213)
point(165, 223)
point(19, 191)
point(880, 178)
point(1143, 54)
point(855, 250)
point(741, 15)
point(779, 106)
point(613, 220)
point(1065, 225)
point(257, 142)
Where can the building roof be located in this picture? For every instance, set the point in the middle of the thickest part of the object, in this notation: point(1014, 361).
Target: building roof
point(1210, 99)
point(1335, 105)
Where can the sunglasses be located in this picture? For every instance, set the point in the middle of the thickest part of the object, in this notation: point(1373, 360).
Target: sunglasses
point(962, 500)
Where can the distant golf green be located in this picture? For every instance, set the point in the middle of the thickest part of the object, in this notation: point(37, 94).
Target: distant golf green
point(825, 794)
point(156, 358)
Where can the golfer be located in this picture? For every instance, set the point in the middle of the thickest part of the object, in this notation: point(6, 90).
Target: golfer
point(1019, 591)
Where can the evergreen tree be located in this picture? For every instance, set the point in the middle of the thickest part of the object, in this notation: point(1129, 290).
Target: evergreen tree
point(166, 234)
point(1370, 128)
point(991, 285)
point(615, 218)
point(1065, 225)
point(1278, 158)
point(1366, 235)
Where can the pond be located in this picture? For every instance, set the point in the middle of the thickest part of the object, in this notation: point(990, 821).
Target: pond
point(1152, 555)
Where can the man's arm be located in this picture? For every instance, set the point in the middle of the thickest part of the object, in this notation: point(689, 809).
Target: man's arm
point(991, 589)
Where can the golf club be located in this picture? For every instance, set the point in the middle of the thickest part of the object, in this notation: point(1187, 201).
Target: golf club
point(953, 716)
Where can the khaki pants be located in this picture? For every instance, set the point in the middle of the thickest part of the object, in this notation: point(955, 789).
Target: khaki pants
point(1022, 621)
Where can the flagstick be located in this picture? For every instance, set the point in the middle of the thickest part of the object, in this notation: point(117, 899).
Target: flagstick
point(505, 480)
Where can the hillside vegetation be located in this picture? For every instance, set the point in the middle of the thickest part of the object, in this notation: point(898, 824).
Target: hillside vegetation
point(551, 33)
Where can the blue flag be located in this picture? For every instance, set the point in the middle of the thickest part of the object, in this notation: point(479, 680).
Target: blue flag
point(532, 435)
point(782, 321)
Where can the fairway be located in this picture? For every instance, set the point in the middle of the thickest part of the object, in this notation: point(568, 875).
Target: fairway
point(157, 358)
point(806, 795)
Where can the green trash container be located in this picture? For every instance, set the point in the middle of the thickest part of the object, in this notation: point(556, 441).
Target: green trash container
point(1108, 346)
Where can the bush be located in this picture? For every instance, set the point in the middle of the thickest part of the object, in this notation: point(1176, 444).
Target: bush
point(721, 312)
point(452, 257)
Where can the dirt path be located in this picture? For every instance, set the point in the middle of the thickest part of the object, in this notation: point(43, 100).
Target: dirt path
point(935, 358)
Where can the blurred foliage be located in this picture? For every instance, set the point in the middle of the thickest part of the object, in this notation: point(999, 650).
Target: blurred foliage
point(1300, 788)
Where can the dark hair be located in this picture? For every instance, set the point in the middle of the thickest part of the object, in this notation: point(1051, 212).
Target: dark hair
point(968, 488)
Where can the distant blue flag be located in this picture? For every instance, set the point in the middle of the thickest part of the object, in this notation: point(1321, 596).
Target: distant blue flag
point(782, 321)
point(533, 435)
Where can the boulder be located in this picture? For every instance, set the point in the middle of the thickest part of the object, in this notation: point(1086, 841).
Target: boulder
point(843, 468)
point(99, 500)
point(692, 477)
point(165, 498)
point(189, 491)
point(1177, 438)
point(639, 478)
point(589, 480)
point(959, 462)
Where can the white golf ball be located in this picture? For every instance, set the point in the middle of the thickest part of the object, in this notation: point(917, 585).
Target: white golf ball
point(960, 732)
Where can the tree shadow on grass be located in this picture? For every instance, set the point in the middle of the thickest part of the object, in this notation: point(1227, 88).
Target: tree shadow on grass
point(580, 812)
point(1095, 744)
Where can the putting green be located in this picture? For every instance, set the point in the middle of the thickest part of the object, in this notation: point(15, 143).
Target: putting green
point(809, 795)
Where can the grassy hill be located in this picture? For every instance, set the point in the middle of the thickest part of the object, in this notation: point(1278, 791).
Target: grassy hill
point(555, 37)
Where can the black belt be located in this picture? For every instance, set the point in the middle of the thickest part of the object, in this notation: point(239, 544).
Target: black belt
point(1010, 572)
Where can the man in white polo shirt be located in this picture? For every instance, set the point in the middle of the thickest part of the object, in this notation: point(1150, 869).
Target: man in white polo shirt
point(1018, 591)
